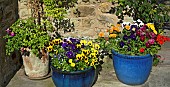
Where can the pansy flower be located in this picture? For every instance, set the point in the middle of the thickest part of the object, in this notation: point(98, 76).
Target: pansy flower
point(133, 27)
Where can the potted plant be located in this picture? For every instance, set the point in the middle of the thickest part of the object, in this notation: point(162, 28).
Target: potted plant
point(133, 48)
point(73, 62)
point(149, 11)
point(30, 39)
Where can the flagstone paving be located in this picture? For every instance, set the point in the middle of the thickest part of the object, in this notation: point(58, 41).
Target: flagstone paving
point(159, 77)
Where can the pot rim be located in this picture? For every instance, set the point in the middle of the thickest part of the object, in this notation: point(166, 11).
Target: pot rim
point(73, 72)
point(130, 56)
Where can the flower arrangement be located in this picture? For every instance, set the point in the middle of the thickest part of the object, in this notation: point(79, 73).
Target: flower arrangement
point(72, 54)
point(133, 39)
point(24, 34)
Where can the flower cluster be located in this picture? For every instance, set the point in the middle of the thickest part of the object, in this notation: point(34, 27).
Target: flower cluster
point(10, 33)
point(72, 54)
point(135, 39)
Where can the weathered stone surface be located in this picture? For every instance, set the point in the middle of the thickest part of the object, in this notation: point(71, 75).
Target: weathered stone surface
point(105, 7)
point(86, 10)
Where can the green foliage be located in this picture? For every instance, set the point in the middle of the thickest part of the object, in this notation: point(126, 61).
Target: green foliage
point(27, 35)
point(148, 11)
point(57, 8)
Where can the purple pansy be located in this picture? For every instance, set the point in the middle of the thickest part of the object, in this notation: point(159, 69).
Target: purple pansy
point(134, 26)
point(129, 48)
point(133, 36)
point(70, 54)
point(65, 45)
point(125, 37)
point(121, 44)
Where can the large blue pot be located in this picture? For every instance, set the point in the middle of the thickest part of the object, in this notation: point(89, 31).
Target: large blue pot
point(83, 78)
point(132, 70)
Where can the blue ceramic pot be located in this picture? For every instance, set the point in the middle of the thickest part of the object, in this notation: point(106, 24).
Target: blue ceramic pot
point(83, 78)
point(132, 70)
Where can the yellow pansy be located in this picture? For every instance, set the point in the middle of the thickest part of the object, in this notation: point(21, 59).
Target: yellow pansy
point(92, 49)
point(70, 60)
point(93, 55)
point(50, 48)
point(79, 56)
point(86, 60)
point(83, 42)
point(94, 60)
point(78, 45)
point(85, 52)
point(73, 64)
point(56, 41)
point(96, 46)
point(90, 43)
point(92, 64)
point(112, 35)
point(82, 68)
point(51, 44)
point(95, 51)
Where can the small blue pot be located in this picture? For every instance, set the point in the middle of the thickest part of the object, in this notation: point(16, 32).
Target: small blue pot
point(83, 78)
point(132, 70)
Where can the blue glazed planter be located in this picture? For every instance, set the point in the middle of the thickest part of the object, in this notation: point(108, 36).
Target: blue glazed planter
point(132, 70)
point(73, 79)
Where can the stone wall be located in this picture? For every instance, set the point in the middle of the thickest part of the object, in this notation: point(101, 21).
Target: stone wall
point(92, 16)
point(89, 16)
point(8, 64)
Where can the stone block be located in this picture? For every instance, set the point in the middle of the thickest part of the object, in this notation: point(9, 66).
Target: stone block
point(107, 19)
point(24, 13)
point(86, 22)
point(86, 10)
point(77, 22)
point(105, 7)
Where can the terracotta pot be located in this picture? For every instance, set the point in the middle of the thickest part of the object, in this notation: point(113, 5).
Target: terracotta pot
point(36, 67)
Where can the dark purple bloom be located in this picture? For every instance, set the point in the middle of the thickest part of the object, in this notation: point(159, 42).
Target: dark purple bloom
point(152, 35)
point(73, 47)
point(133, 26)
point(138, 32)
point(70, 54)
point(143, 28)
point(65, 45)
point(129, 49)
point(147, 44)
point(142, 38)
point(121, 44)
point(147, 35)
point(128, 42)
point(125, 37)
point(73, 40)
point(12, 34)
point(133, 36)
